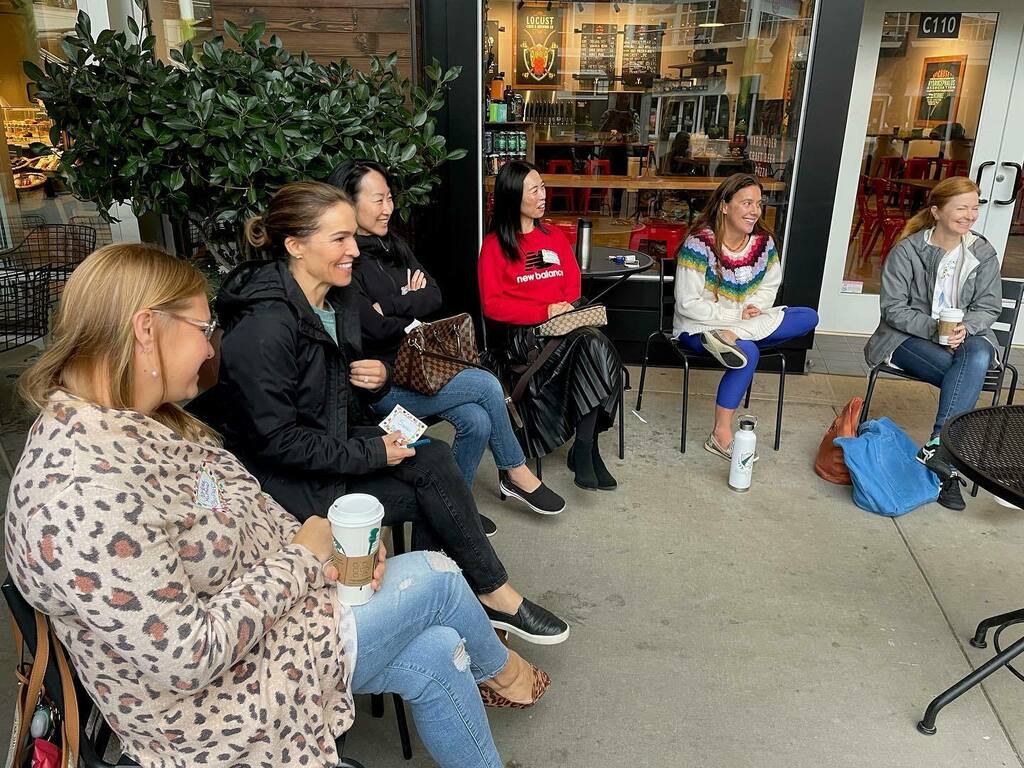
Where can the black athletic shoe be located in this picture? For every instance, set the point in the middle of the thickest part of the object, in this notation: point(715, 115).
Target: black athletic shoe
point(727, 353)
point(543, 500)
point(949, 494)
point(532, 623)
point(488, 525)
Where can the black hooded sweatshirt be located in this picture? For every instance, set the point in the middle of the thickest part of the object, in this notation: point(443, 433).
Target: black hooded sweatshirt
point(283, 401)
point(380, 272)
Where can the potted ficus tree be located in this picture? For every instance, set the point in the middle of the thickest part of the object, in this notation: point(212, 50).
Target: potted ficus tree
point(209, 137)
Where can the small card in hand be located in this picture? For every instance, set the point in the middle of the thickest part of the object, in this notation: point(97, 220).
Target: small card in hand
point(400, 420)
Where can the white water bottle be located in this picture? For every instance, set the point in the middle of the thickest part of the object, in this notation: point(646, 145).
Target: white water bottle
point(744, 446)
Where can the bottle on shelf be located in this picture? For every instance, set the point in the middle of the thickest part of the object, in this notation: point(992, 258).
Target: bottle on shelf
point(498, 87)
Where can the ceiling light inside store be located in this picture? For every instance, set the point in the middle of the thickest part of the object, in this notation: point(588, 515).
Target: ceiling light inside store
point(579, 7)
point(709, 24)
point(550, 3)
point(615, 6)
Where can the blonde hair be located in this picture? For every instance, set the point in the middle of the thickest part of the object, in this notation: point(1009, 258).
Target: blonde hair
point(294, 211)
point(941, 194)
point(93, 339)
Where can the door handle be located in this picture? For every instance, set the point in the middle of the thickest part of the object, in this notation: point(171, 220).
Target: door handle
point(1016, 183)
point(977, 177)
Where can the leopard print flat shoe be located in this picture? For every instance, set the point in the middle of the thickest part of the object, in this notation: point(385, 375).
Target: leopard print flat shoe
point(493, 698)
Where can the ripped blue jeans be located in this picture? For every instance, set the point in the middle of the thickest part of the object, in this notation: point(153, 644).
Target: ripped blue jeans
point(426, 637)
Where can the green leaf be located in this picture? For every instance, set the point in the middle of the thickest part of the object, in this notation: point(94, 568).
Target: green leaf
point(133, 25)
point(149, 127)
point(407, 153)
point(177, 180)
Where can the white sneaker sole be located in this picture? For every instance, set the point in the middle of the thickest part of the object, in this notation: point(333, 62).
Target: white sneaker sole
point(513, 494)
point(535, 639)
point(724, 353)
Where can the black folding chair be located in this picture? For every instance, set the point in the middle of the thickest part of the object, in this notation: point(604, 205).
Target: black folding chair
point(62, 247)
point(666, 308)
point(1003, 328)
point(94, 740)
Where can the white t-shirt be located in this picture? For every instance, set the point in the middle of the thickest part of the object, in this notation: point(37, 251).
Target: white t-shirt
point(944, 296)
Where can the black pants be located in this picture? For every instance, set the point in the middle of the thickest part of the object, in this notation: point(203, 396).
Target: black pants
point(428, 491)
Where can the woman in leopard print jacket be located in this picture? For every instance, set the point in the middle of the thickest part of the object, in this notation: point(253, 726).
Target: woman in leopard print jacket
point(199, 614)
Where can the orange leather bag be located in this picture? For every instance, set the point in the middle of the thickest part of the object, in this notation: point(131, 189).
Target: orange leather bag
point(829, 463)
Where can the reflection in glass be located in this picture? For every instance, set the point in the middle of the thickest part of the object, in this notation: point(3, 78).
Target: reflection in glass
point(32, 191)
point(925, 109)
point(663, 99)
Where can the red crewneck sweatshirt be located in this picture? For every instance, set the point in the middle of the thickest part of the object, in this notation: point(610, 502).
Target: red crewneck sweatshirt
point(519, 292)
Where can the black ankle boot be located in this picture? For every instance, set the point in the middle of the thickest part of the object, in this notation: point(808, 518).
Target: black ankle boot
point(581, 461)
point(605, 481)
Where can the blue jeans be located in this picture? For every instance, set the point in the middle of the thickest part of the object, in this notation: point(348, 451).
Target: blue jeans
point(796, 322)
point(958, 375)
point(426, 637)
point(474, 403)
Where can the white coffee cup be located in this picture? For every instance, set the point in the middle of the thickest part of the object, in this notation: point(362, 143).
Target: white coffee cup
point(949, 319)
point(355, 525)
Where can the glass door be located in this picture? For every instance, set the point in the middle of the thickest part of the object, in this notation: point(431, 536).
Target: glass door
point(931, 97)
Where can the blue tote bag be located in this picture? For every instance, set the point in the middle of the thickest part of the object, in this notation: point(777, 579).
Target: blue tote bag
point(887, 478)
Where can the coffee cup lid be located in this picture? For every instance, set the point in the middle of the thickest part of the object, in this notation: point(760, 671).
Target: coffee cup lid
point(355, 510)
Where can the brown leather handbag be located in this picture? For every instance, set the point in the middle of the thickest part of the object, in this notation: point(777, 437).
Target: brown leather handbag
point(432, 354)
point(829, 463)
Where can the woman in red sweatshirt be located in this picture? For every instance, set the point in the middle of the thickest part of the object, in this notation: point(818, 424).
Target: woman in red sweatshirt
point(528, 273)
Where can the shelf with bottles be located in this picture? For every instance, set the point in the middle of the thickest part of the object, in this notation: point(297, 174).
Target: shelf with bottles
point(507, 141)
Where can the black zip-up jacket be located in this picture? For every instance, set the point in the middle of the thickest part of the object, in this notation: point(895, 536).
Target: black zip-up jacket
point(283, 401)
point(380, 273)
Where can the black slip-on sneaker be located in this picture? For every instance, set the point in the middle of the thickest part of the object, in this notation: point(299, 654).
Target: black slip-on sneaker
point(488, 525)
point(543, 501)
point(532, 623)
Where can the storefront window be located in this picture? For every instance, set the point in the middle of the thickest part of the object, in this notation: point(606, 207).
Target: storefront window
point(177, 21)
point(664, 98)
point(31, 188)
point(925, 109)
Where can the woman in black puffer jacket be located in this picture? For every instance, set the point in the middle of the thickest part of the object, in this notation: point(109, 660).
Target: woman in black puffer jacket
point(293, 375)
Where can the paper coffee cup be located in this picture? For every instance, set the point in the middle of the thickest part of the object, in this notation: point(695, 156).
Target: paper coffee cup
point(949, 319)
point(355, 525)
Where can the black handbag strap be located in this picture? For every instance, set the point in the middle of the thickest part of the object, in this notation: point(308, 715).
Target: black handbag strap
point(538, 361)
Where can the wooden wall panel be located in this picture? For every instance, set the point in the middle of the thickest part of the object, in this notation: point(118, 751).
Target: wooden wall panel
point(329, 30)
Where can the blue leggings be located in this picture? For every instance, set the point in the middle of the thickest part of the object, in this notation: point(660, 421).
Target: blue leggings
point(796, 322)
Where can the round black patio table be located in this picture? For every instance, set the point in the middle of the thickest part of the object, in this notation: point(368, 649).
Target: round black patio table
point(601, 265)
point(987, 446)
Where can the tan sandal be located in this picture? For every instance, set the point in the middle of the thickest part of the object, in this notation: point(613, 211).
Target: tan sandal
point(493, 695)
point(711, 445)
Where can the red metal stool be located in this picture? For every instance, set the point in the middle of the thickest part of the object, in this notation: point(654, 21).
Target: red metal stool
point(949, 168)
point(567, 228)
point(567, 195)
point(672, 235)
point(890, 167)
point(596, 168)
point(890, 220)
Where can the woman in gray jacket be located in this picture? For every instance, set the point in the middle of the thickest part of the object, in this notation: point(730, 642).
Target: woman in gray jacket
point(939, 263)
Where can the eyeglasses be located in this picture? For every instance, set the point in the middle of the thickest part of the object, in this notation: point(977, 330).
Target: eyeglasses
point(206, 328)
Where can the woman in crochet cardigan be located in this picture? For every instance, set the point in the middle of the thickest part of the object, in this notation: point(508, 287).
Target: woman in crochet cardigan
point(727, 274)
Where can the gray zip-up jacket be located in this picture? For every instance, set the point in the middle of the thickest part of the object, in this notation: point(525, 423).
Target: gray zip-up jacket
point(908, 284)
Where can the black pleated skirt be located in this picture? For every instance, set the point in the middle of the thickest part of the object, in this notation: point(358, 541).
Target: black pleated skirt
point(582, 374)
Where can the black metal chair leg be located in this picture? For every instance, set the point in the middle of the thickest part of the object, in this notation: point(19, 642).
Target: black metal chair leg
point(1013, 386)
point(539, 468)
point(927, 724)
point(622, 415)
point(978, 641)
point(643, 370)
point(746, 401)
point(403, 727)
point(782, 396)
point(686, 400)
point(872, 378)
point(377, 705)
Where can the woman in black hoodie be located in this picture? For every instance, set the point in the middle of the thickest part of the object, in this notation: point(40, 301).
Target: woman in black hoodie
point(395, 291)
point(293, 376)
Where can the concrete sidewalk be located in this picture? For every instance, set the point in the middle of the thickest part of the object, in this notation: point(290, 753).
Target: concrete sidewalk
point(784, 627)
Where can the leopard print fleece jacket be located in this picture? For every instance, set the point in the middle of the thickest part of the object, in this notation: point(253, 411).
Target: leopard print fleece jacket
point(204, 636)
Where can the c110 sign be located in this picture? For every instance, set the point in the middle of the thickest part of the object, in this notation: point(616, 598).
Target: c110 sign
point(941, 26)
